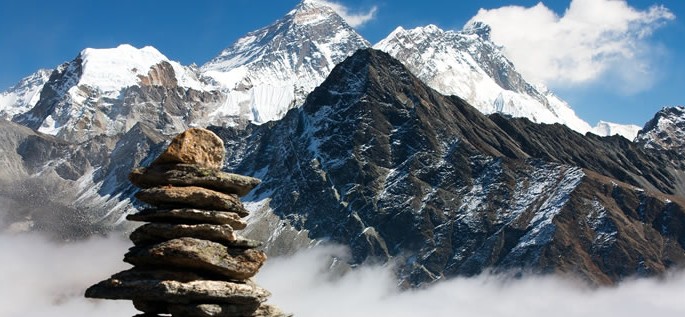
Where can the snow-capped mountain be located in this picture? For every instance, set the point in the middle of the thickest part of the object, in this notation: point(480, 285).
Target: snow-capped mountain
point(107, 91)
point(604, 128)
point(378, 161)
point(373, 159)
point(24, 95)
point(666, 131)
point(271, 70)
point(468, 64)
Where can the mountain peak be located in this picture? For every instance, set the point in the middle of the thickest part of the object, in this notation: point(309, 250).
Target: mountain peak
point(312, 12)
point(284, 61)
point(665, 131)
point(111, 69)
point(478, 28)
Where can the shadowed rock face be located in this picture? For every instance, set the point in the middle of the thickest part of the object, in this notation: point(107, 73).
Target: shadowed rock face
point(188, 261)
point(398, 170)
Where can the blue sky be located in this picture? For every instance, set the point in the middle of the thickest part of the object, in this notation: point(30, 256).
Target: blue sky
point(636, 80)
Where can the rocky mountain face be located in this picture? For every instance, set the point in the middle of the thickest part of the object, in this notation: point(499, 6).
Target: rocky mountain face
point(666, 131)
point(398, 171)
point(271, 70)
point(469, 65)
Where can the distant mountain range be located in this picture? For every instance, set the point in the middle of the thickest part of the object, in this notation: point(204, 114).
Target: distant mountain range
point(428, 148)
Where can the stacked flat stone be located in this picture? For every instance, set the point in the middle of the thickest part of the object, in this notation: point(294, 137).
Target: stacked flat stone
point(188, 260)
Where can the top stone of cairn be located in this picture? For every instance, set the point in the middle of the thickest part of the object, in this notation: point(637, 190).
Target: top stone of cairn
point(194, 146)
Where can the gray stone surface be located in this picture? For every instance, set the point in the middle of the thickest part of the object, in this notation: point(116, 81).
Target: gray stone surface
point(192, 196)
point(159, 232)
point(189, 216)
point(192, 175)
point(178, 292)
point(196, 254)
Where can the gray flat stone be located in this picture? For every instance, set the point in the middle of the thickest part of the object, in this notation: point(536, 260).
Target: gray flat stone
point(159, 232)
point(189, 216)
point(192, 175)
point(193, 197)
point(176, 292)
point(196, 254)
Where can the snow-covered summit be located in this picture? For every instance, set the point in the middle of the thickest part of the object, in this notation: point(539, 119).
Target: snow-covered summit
point(112, 69)
point(604, 128)
point(271, 70)
point(24, 95)
point(467, 64)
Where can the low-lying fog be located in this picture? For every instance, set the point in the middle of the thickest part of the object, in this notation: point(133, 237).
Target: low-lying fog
point(42, 278)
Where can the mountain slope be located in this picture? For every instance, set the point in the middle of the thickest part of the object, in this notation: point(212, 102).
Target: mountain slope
point(271, 70)
point(468, 64)
point(380, 162)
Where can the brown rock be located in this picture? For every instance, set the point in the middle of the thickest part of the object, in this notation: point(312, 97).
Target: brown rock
point(189, 216)
point(192, 175)
point(192, 196)
point(196, 254)
point(158, 232)
point(176, 292)
point(194, 146)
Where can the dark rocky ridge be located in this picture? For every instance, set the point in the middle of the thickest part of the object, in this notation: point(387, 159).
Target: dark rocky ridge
point(398, 170)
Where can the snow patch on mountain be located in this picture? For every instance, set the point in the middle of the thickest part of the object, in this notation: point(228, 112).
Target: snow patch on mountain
point(24, 95)
point(604, 128)
point(467, 64)
point(112, 69)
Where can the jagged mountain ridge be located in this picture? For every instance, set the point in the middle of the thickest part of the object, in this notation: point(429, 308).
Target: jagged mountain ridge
point(271, 70)
point(468, 64)
point(666, 131)
point(428, 179)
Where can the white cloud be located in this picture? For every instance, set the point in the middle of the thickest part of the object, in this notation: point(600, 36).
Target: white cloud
point(354, 19)
point(593, 40)
point(302, 285)
point(43, 278)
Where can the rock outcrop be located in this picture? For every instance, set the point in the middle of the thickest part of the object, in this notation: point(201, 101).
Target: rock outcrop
point(188, 260)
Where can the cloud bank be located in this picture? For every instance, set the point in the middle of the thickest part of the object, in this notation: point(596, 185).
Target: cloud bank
point(354, 19)
point(42, 278)
point(593, 40)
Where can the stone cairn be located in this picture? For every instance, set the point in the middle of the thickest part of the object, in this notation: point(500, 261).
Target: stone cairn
point(188, 260)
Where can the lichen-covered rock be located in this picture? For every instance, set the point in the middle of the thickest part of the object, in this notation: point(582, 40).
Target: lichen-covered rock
point(159, 232)
point(196, 254)
point(193, 197)
point(194, 146)
point(189, 216)
point(192, 175)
